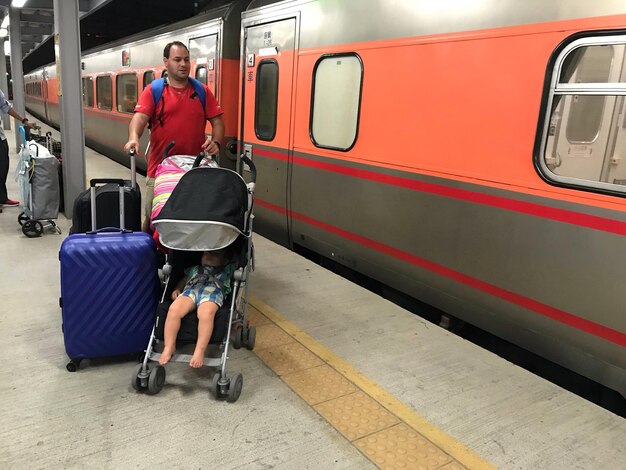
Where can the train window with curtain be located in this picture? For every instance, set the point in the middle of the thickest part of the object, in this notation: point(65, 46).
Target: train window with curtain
point(201, 74)
point(336, 100)
point(148, 78)
point(126, 92)
point(88, 92)
point(104, 92)
point(266, 104)
point(583, 138)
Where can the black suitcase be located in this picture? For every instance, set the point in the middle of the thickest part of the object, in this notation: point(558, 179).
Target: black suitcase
point(107, 205)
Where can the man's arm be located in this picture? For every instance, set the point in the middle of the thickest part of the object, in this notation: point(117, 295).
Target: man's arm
point(23, 120)
point(212, 146)
point(135, 130)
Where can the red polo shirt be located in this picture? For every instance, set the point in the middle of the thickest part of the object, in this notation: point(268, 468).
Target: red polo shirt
point(183, 121)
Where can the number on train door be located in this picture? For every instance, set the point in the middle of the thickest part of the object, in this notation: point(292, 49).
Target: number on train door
point(266, 122)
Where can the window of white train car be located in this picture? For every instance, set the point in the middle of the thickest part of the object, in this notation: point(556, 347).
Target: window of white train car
point(126, 92)
point(88, 91)
point(266, 102)
point(201, 73)
point(584, 131)
point(336, 101)
point(148, 78)
point(104, 92)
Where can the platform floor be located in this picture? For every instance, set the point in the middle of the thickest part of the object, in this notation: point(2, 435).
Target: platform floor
point(340, 378)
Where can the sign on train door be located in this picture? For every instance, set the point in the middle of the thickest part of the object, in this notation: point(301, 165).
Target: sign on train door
point(204, 51)
point(266, 120)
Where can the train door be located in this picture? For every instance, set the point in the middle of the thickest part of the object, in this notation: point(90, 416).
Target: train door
point(44, 93)
point(204, 51)
point(266, 119)
point(586, 125)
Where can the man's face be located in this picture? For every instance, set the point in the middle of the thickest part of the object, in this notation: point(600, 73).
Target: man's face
point(177, 64)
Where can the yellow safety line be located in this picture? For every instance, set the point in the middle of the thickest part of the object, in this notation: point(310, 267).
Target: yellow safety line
point(442, 440)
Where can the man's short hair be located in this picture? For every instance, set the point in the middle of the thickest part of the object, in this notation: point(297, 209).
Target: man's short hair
point(166, 51)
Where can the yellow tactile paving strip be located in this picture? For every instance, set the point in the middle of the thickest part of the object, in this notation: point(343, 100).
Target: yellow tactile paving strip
point(385, 430)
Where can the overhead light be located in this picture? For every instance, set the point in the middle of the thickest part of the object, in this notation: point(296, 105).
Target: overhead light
point(5, 22)
point(3, 33)
point(18, 3)
point(7, 48)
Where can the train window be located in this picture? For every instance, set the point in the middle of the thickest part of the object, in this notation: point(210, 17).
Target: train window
point(584, 132)
point(266, 105)
point(336, 100)
point(126, 87)
point(201, 74)
point(88, 91)
point(104, 92)
point(164, 74)
point(148, 78)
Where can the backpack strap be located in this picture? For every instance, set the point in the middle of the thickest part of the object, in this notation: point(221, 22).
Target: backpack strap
point(157, 95)
point(198, 87)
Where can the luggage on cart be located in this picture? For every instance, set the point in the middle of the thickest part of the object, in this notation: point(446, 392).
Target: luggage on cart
point(109, 289)
point(54, 147)
point(107, 205)
point(37, 176)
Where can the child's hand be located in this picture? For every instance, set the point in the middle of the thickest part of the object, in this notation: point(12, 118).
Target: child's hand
point(175, 293)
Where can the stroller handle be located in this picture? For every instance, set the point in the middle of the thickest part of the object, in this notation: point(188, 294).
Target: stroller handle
point(250, 163)
point(168, 148)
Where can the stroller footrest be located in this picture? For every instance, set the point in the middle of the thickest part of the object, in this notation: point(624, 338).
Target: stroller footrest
point(208, 361)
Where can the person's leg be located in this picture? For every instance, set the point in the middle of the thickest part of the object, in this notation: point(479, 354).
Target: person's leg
point(148, 207)
point(206, 316)
point(181, 306)
point(4, 169)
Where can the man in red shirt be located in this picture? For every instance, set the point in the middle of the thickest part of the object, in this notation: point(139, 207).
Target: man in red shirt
point(178, 116)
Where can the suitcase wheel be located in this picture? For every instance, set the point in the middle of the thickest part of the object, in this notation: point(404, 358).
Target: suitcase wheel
point(73, 365)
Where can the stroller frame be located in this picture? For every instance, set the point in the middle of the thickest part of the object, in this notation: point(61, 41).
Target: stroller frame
point(152, 379)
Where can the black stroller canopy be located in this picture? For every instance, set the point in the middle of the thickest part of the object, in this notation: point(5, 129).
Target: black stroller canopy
point(206, 210)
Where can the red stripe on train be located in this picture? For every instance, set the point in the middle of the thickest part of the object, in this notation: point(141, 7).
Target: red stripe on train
point(542, 309)
point(537, 210)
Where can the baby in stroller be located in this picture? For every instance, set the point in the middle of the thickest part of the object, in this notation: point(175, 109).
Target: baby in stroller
point(203, 287)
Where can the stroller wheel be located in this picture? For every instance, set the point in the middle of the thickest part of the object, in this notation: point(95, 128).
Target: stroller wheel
point(234, 388)
point(215, 389)
point(136, 380)
point(238, 337)
point(251, 339)
point(22, 218)
point(32, 228)
point(156, 380)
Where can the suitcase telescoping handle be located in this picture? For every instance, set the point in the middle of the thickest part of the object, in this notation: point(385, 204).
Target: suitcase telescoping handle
point(120, 183)
point(133, 168)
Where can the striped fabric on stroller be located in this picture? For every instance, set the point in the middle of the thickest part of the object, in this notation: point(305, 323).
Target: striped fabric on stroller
point(168, 174)
point(209, 209)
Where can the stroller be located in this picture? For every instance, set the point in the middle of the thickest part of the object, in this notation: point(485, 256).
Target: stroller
point(188, 228)
point(38, 177)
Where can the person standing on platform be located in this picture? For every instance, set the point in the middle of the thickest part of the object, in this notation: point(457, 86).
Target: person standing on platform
point(177, 116)
point(6, 108)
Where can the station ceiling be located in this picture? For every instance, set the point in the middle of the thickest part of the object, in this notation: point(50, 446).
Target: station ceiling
point(101, 21)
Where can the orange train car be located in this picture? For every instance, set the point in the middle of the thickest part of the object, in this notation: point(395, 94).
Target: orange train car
point(469, 154)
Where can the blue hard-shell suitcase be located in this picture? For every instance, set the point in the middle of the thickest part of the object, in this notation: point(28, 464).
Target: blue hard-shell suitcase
point(109, 292)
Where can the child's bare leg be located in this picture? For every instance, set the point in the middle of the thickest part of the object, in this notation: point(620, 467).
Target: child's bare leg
point(206, 315)
point(181, 306)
